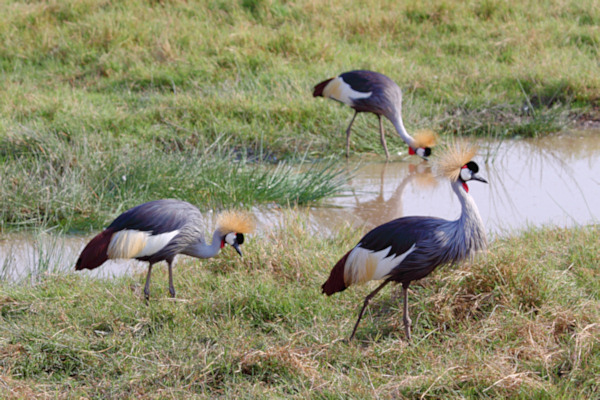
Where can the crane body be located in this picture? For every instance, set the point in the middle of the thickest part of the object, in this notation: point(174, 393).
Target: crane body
point(410, 248)
point(369, 91)
point(159, 230)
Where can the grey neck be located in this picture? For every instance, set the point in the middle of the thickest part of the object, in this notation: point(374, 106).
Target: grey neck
point(396, 120)
point(203, 250)
point(469, 225)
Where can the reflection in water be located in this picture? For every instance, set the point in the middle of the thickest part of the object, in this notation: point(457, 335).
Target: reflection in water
point(546, 181)
point(534, 182)
point(32, 256)
point(388, 203)
point(377, 193)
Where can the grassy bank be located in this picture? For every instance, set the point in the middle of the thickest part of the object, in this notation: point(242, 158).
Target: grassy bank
point(53, 181)
point(190, 71)
point(107, 104)
point(521, 322)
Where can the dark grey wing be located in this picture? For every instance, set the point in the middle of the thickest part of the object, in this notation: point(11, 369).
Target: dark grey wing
point(400, 234)
point(431, 240)
point(366, 81)
point(156, 217)
point(385, 93)
point(359, 80)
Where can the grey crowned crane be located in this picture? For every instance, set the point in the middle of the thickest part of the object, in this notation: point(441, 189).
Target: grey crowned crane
point(368, 91)
point(410, 248)
point(159, 230)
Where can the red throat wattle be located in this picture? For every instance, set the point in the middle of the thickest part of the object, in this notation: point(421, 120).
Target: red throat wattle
point(466, 187)
point(411, 151)
point(222, 243)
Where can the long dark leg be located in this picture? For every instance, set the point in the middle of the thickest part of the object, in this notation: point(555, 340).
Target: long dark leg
point(383, 143)
point(362, 310)
point(171, 287)
point(147, 286)
point(348, 135)
point(406, 319)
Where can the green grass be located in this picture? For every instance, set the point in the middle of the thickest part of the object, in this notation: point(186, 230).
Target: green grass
point(177, 71)
point(54, 181)
point(106, 104)
point(100, 90)
point(520, 322)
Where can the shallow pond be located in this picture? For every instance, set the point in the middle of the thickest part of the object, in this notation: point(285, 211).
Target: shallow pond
point(535, 182)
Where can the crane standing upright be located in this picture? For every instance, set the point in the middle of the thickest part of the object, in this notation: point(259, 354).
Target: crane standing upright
point(369, 91)
point(410, 248)
point(159, 230)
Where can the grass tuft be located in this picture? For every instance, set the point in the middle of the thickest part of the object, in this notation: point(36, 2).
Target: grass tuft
point(55, 180)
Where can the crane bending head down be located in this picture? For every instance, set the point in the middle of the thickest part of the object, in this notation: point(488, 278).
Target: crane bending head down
point(234, 225)
point(422, 143)
point(159, 230)
point(372, 92)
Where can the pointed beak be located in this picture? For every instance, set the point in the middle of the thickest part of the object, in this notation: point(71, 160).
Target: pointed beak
point(237, 248)
point(478, 178)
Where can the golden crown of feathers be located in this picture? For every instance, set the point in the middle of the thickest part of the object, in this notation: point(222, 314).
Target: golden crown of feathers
point(453, 157)
point(425, 138)
point(235, 221)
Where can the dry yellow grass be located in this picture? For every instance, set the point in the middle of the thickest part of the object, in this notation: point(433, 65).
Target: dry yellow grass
point(520, 321)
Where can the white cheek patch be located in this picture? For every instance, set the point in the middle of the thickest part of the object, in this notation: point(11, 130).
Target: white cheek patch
point(365, 265)
point(420, 152)
point(466, 174)
point(130, 243)
point(230, 238)
point(339, 90)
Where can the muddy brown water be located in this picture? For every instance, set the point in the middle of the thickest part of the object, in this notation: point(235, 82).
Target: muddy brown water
point(535, 182)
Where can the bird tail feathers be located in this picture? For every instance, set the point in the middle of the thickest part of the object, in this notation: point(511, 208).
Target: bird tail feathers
point(319, 88)
point(95, 252)
point(335, 283)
